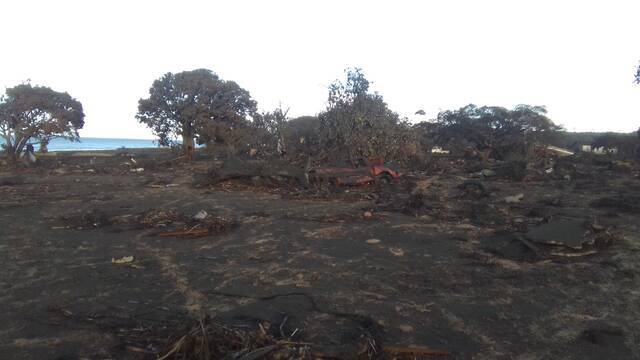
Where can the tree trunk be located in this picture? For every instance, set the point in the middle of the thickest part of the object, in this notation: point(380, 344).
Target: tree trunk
point(187, 144)
point(10, 151)
point(12, 156)
point(44, 146)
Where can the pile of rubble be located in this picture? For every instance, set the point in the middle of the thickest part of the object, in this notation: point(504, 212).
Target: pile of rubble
point(210, 339)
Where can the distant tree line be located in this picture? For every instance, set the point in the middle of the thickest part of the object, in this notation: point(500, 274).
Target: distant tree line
point(492, 131)
point(199, 108)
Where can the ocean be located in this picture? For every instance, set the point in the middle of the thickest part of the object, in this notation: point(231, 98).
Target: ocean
point(88, 144)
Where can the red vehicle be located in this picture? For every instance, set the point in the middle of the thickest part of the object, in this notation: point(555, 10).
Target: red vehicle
point(374, 172)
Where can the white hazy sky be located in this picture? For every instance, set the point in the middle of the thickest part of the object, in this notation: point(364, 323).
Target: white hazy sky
point(576, 57)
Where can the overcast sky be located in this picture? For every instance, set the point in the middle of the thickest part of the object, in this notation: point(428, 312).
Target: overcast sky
point(575, 57)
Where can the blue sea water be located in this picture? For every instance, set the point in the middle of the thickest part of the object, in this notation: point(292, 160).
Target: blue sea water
point(88, 144)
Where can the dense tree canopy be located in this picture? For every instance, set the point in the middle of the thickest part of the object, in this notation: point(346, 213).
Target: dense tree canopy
point(493, 130)
point(197, 105)
point(357, 123)
point(37, 113)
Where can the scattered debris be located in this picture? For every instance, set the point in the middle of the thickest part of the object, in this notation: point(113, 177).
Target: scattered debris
point(558, 151)
point(472, 189)
point(406, 328)
point(91, 219)
point(59, 171)
point(487, 173)
point(122, 260)
point(190, 233)
point(160, 218)
point(375, 171)
point(206, 226)
point(413, 352)
point(209, 339)
point(174, 223)
point(575, 254)
point(542, 229)
point(337, 218)
point(162, 186)
point(514, 199)
point(201, 215)
point(422, 187)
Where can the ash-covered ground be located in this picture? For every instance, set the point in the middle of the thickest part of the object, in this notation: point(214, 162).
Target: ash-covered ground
point(102, 260)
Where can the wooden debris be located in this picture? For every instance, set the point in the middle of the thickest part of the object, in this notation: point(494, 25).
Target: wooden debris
point(209, 339)
point(414, 351)
point(575, 254)
point(204, 227)
point(122, 260)
point(189, 233)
